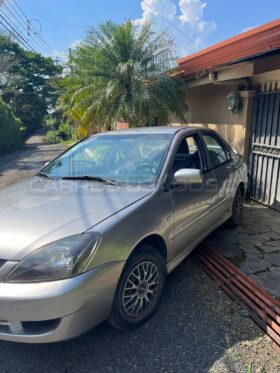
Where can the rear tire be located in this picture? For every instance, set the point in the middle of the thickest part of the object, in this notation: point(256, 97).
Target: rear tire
point(237, 209)
point(139, 289)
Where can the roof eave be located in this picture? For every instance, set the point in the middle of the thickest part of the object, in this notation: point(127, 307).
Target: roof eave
point(254, 42)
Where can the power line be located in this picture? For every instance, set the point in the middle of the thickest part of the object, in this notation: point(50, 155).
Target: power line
point(172, 24)
point(26, 23)
point(16, 28)
point(21, 22)
point(23, 41)
point(19, 17)
point(41, 45)
point(32, 29)
point(19, 8)
point(38, 43)
point(14, 35)
point(45, 43)
point(40, 39)
point(32, 33)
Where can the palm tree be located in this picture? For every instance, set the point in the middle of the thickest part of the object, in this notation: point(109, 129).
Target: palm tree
point(123, 72)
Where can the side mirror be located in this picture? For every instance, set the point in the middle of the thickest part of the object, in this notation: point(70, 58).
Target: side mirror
point(187, 176)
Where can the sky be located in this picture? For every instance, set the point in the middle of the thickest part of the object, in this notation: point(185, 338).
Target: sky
point(65, 22)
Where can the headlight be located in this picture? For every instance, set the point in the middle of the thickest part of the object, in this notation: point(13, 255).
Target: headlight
point(57, 260)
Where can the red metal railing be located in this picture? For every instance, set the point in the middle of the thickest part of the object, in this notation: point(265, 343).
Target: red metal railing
point(262, 307)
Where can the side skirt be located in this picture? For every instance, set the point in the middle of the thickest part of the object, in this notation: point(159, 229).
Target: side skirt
point(179, 258)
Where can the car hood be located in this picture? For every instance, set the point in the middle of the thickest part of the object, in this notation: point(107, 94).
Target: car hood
point(38, 211)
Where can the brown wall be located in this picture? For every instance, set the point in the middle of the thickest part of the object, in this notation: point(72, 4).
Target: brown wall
point(208, 104)
point(208, 108)
point(234, 134)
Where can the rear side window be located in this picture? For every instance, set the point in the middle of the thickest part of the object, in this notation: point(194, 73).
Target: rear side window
point(216, 149)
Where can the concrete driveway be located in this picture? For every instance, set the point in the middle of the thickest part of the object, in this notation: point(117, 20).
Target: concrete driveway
point(196, 328)
point(254, 246)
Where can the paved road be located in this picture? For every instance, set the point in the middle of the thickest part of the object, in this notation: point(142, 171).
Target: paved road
point(24, 163)
point(196, 329)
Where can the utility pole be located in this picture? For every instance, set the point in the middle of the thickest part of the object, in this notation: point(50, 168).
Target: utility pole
point(70, 61)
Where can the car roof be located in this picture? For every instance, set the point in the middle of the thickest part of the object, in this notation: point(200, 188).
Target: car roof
point(150, 130)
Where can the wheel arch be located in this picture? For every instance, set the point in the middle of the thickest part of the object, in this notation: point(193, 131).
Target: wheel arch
point(154, 240)
point(158, 243)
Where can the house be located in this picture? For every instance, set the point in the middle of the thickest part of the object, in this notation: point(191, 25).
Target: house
point(234, 88)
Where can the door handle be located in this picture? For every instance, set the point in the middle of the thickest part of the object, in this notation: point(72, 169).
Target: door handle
point(212, 180)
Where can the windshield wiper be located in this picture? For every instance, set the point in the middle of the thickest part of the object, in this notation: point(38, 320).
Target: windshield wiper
point(93, 178)
point(42, 174)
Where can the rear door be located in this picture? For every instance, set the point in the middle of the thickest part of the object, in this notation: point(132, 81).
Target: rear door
point(220, 163)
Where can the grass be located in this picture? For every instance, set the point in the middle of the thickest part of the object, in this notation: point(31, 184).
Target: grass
point(249, 367)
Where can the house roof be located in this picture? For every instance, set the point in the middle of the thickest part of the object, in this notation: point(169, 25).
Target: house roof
point(260, 40)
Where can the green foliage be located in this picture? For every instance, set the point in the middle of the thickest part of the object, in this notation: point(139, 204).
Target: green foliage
point(30, 108)
point(121, 72)
point(10, 129)
point(26, 83)
point(51, 137)
point(63, 133)
point(52, 121)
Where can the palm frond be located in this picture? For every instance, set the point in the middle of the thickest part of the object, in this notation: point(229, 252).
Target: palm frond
point(120, 71)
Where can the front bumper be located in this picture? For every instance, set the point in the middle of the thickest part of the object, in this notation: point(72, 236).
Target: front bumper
point(57, 310)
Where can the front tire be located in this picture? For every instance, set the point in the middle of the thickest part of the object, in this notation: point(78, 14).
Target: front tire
point(237, 209)
point(139, 290)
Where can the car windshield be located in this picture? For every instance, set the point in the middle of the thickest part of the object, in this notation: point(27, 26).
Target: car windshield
point(121, 158)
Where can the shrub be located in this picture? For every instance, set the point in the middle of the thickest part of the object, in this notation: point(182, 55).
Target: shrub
point(63, 133)
point(10, 130)
point(51, 137)
point(52, 122)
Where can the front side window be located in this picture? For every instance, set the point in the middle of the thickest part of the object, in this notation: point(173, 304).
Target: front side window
point(217, 151)
point(132, 158)
point(187, 155)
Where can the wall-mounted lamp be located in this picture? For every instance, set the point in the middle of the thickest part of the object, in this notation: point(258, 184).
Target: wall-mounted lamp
point(235, 103)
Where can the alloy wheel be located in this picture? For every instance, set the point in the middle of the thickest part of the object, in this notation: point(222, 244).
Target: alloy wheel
point(140, 288)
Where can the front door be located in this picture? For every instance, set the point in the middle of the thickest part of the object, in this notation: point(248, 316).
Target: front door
point(193, 201)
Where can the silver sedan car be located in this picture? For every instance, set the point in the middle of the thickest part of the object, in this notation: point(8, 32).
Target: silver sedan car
point(93, 235)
